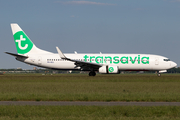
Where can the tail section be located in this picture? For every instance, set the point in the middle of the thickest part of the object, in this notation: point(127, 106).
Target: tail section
point(23, 44)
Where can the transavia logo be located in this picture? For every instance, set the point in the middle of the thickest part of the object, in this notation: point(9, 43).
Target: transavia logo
point(111, 69)
point(19, 43)
point(23, 43)
point(118, 59)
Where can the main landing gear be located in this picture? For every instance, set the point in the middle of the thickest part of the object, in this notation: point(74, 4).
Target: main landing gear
point(92, 73)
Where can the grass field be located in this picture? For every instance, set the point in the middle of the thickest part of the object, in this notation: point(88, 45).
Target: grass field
point(77, 87)
point(89, 113)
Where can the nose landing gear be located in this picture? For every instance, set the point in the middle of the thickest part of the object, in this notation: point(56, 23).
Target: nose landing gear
point(159, 74)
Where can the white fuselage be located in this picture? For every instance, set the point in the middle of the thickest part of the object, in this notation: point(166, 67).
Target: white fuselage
point(140, 62)
point(104, 63)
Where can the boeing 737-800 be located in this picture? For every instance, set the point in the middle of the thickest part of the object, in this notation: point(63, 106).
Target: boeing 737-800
point(103, 63)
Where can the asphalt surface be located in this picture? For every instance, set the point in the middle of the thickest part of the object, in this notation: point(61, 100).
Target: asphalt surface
point(64, 103)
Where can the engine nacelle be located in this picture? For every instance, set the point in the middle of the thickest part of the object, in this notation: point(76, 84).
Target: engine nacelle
point(109, 69)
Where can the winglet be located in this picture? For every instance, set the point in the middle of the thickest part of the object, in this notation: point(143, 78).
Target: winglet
point(60, 53)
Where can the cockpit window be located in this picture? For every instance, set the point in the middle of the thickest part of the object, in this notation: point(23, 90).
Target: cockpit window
point(166, 59)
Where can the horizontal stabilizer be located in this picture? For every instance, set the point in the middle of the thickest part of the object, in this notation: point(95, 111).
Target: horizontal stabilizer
point(16, 55)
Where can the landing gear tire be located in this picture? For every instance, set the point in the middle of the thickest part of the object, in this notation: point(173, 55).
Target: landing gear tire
point(92, 73)
point(159, 74)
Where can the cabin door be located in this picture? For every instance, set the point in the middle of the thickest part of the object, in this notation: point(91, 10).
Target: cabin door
point(156, 61)
point(39, 60)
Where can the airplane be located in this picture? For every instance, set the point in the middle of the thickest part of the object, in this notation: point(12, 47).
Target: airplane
point(103, 63)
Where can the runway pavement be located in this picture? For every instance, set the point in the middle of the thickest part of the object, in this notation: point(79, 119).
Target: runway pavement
point(79, 103)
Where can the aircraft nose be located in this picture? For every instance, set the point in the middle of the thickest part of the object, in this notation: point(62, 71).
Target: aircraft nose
point(173, 64)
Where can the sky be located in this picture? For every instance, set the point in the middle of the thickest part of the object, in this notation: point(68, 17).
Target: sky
point(92, 26)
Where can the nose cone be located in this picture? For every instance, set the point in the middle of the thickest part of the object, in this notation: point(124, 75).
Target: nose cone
point(173, 64)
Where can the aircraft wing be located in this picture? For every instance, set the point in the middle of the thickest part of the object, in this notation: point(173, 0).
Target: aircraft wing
point(86, 65)
point(16, 55)
point(78, 63)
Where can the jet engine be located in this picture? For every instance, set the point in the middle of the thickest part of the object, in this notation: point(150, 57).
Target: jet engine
point(109, 69)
